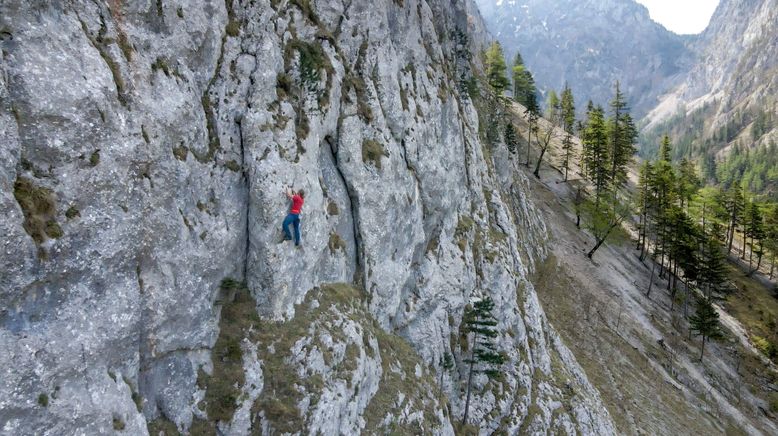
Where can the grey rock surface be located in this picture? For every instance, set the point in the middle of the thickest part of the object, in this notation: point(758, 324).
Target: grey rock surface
point(147, 145)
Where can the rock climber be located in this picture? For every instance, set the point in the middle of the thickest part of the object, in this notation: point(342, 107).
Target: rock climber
point(294, 216)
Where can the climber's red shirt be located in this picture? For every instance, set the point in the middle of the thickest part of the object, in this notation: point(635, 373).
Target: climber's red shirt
point(297, 204)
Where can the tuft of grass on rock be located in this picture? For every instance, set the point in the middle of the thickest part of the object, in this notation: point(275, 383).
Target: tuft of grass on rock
point(43, 400)
point(373, 151)
point(336, 243)
point(332, 208)
point(39, 209)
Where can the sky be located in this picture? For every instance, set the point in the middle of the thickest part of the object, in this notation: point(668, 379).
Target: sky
point(681, 16)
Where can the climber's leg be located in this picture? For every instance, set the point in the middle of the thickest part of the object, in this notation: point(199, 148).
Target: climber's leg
point(296, 222)
point(288, 220)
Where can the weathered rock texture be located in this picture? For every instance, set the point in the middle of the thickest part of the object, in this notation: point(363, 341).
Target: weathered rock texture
point(145, 148)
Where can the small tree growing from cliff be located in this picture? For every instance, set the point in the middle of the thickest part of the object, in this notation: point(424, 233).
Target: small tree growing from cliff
point(483, 354)
point(511, 139)
point(705, 323)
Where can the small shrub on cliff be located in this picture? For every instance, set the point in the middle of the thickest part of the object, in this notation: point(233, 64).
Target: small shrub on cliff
point(373, 151)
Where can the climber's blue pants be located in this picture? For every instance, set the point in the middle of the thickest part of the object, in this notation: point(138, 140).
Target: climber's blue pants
point(293, 219)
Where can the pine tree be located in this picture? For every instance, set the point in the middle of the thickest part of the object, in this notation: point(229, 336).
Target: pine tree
point(533, 113)
point(568, 123)
point(754, 230)
point(622, 134)
point(643, 204)
point(511, 139)
point(734, 206)
point(705, 323)
point(688, 181)
point(771, 235)
point(665, 150)
point(496, 68)
point(520, 80)
point(482, 324)
point(712, 266)
point(596, 145)
point(553, 108)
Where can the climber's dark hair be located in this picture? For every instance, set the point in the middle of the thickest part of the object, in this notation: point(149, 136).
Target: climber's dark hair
point(301, 193)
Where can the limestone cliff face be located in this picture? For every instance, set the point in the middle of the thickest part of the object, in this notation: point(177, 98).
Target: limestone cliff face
point(145, 148)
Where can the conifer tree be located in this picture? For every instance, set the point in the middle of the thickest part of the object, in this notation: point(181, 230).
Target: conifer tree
point(705, 323)
point(688, 181)
point(771, 235)
point(520, 80)
point(754, 230)
point(622, 134)
point(596, 145)
point(511, 139)
point(533, 113)
point(734, 206)
point(482, 324)
point(568, 123)
point(712, 266)
point(496, 68)
point(643, 203)
point(553, 108)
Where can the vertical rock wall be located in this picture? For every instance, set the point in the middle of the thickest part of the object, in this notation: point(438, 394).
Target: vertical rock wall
point(146, 146)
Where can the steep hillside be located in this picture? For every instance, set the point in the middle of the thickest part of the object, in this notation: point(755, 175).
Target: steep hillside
point(636, 348)
point(145, 150)
point(591, 44)
point(734, 80)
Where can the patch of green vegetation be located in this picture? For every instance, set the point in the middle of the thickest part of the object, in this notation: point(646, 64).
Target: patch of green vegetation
point(94, 158)
point(125, 46)
point(118, 423)
point(404, 98)
point(283, 85)
point(302, 127)
point(312, 60)
point(201, 427)
point(307, 10)
point(180, 152)
point(43, 400)
point(39, 209)
point(180, 12)
point(397, 354)
point(336, 243)
point(233, 28)
point(373, 151)
point(773, 400)
point(164, 427)
point(232, 165)
point(161, 64)
point(222, 387)
point(464, 225)
point(332, 208)
point(756, 308)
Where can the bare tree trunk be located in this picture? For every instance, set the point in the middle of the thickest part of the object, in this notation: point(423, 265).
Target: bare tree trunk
point(540, 160)
point(702, 349)
point(651, 281)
